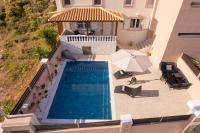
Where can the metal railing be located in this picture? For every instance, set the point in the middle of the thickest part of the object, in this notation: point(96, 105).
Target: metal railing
point(161, 119)
point(76, 125)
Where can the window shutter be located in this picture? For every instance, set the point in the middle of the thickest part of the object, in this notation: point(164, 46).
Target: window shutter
point(127, 23)
point(145, 24)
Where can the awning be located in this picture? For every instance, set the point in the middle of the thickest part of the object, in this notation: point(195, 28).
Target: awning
point(87, 14)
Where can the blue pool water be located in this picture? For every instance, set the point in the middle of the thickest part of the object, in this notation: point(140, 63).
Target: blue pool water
point(83, 92)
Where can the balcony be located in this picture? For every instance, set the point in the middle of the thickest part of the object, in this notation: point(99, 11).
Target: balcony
point(83, 44)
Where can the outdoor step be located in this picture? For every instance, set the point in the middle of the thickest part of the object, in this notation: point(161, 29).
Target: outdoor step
point(144, 44)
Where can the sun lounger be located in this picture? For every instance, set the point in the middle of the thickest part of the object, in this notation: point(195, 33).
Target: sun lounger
point(122, 74)
point(128, 90)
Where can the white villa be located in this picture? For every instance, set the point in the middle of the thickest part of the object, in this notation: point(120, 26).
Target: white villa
point(92, 30)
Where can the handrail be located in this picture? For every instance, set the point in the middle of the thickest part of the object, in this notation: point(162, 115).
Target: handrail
point(76, 125)
point(161, 119)
point(136, 122)
point(84, 38)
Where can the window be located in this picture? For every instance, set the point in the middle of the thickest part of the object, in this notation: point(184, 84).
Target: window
point(149, 3)
point(195, 4)
point(128, 2)
point(97, 2)
point(83, 25)
point(189, 35)
point(135, 23)
point(67, 2)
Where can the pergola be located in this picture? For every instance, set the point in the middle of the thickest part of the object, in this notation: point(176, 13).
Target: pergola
point(87, 15)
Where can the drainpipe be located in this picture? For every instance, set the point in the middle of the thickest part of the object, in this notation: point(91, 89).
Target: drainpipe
point(194, 106)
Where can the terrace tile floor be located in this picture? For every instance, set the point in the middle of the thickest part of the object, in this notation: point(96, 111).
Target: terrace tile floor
point(169, 102)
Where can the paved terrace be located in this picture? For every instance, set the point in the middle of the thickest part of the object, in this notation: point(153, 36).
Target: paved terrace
point(168, 102)
point(159, 99)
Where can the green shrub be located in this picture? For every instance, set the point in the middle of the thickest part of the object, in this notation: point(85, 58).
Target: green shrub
point(49, 34)
point(16, 69)
point(22, 27)
point(33, 24)
point(197, 62)
point(37, 53)
point(8, 44)
point(7, 106)
point(21, 38)
point(2, 23)
point(7, 55)
point(2, 15)
point(39, 6)
point(16, 11)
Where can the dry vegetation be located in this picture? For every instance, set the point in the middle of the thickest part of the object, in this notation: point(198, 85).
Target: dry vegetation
point(25, 38)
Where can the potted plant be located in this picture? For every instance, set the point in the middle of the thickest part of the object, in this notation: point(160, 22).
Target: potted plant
point(197, 62)
point(43, 86)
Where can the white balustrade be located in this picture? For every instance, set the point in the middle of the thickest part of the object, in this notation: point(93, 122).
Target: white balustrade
point(84, 38)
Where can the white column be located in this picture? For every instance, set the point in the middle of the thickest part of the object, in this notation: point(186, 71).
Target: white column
point(126, 123)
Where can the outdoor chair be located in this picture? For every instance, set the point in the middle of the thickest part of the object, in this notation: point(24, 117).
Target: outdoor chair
point(128, 90)
point(92, 32)
point(168, 67)
point(176, 80)
point(122, 74)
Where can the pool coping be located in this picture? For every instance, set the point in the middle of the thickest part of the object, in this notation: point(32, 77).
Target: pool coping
point(54, 88)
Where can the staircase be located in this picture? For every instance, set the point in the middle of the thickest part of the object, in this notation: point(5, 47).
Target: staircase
point(144, 46)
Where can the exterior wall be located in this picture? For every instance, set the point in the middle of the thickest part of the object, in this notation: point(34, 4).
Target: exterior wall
point(112, 129)
point(126, 38)
point(20, 123)
point(187, 22)
point(98, 27)
point(181, 18)
point(171, 127)
point(165, 19)
point(125, 35)
point(99, 48)
point(44, 79)
point(194, 89)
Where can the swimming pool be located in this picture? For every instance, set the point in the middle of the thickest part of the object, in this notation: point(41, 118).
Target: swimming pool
point(83, 92)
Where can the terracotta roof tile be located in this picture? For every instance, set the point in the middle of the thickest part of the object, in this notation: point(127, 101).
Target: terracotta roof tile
point(92, 14)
